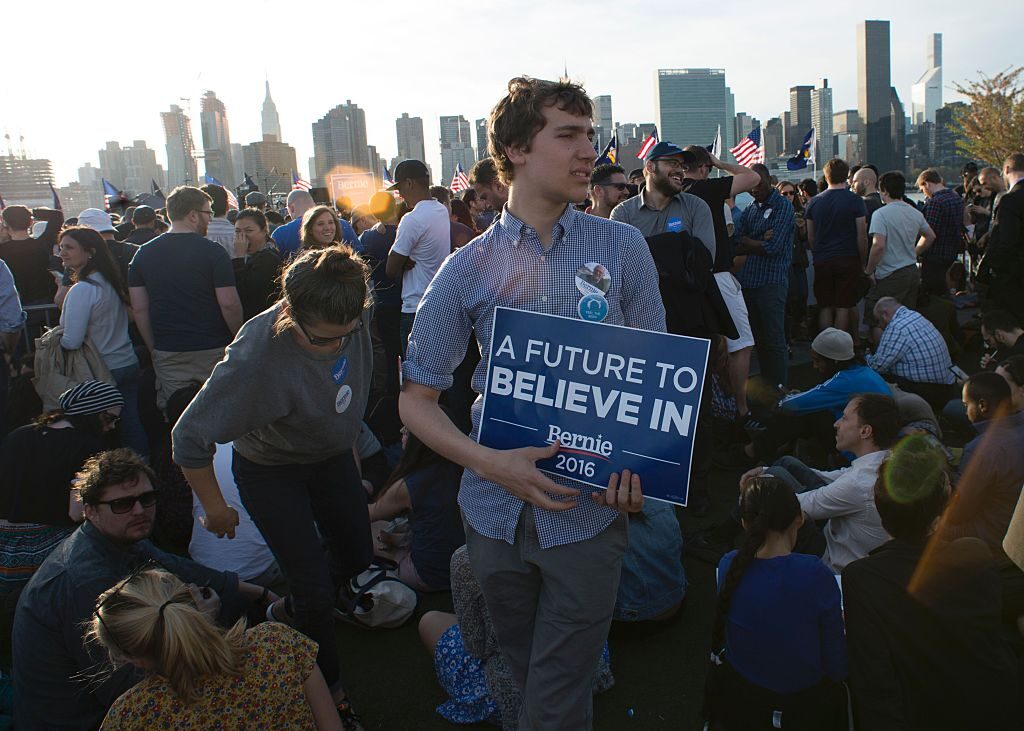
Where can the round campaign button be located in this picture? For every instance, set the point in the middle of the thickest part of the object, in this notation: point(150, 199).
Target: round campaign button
point(674, 225)
point(767, 213)
point(593, 307)
point(339, 371)
point(344, 399)
point(593, 278)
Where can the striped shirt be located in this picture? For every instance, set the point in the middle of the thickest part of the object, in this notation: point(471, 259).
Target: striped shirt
point(775, 214)
point(508, 267)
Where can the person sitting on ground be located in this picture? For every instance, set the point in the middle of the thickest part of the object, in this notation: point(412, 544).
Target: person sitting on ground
point(652, 585)
point(54, 667)
point(38, 463)
point(468, 660)
point(199, 675)
point(1012, 371)
point(811, 413)
point(925, 646)
point(1003, 335)
point(867, 429)
point(913, 353)
point(424, 486)
point(778, 632)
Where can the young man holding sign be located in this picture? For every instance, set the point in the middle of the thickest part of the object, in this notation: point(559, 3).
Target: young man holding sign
point(547, 557)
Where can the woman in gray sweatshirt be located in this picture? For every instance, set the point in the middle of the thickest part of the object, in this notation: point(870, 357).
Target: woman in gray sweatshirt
point(290, 396)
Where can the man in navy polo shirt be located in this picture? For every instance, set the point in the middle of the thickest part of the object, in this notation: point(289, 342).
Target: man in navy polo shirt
point(547, 557)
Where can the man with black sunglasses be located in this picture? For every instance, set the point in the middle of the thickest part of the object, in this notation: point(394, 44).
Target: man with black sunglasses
point(608, 188)
point(60, 679)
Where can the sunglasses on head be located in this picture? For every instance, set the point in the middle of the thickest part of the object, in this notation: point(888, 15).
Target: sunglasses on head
point(124, 505)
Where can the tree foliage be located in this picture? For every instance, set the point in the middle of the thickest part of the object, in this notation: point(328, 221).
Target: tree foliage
point(993, 126)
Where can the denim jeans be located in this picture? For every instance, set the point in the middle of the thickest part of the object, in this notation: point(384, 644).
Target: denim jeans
point(766, 306)
point(653, 580)
point(132, 433)
point(405, 329)
point(288, 503)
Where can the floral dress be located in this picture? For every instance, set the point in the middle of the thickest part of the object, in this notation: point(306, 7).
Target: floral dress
point(268, 695)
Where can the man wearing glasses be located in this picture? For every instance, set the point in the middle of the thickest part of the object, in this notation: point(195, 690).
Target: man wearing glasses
point(182, 288)
point(61, 681)
point(608, 188)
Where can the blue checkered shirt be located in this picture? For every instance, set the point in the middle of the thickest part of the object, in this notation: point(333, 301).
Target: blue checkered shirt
point(944, 212)
point(772, 266)
point(507, 267)
point(912, 348)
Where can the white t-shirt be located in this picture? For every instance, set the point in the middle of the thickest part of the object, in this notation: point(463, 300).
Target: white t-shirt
point(222, 231)
point(246, 554)
point(901, 224)
point(425, 236)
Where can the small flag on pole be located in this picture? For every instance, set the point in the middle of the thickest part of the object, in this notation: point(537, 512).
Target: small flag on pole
point(108, 189)
point(610, 154)
point(715, 148)
point(750, 150)
point(650, 142)
point(2, 204)
point(300, 183)
point(460, 181)
point(805, 154)
point(56, 199)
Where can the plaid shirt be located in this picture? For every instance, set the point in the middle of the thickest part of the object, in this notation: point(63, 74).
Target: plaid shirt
point(944, 212)
point(772, 266)
point(912, 348)
point(507, 266)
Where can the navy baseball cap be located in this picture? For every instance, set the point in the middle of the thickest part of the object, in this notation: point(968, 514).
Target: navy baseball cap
point(669, 149)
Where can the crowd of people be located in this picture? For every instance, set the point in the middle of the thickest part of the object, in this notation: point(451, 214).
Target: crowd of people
point(216, 423)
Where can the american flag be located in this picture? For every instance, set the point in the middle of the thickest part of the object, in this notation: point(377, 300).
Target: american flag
point(232, 199)
point(299, 183)
point(647, 145)
point(460, 181)
point(749, 150)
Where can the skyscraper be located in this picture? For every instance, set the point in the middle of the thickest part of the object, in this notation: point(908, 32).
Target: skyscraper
point(456, 147)
point(339, 139)
point(821, 120)
point(271, 122)
point(897, 131)
point(481, 140)
point(799, 112)
point(603, 123)
point(873, 93)
point(410, 138)
point(25, 180)
point(270, 163)
point(213, 120)
point(744, 125)
point(692, 105)
point(926, 94)
point(773, 138)
point(848, 135)
point(181, 160)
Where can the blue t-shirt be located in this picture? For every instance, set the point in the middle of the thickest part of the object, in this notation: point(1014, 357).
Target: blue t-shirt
point(181, 273)
point(288, 237)
point(784, 629)
point(835, 214)
point(375, 247)
point(436, 521)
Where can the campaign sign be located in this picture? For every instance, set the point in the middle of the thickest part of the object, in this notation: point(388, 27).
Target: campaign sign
point(615, 397)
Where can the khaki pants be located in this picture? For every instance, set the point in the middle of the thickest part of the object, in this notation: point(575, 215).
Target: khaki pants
point(175, 371)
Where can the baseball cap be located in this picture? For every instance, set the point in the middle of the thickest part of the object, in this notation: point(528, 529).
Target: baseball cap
point(833, 344)
point(669, 149)
point(255, 199)
point(96, 219)
point(408, 170)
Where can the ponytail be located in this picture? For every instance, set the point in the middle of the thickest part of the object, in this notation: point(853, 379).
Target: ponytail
point(324, 285)
point(766, 504)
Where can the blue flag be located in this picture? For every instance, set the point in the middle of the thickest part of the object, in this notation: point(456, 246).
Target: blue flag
point(109, 189)
point(611, 152)
point(210, 180)
point(800, 160)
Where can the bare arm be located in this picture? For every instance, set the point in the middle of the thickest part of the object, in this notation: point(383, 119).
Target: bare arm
point(810, 234)
point(862, 237)
point(743, 178)
point(318, 696)
point(877, 252)
point(397, 264)
point(392, 503)
point(230, 308)
point(140, 307)
point(221, 518)
point(926, 241)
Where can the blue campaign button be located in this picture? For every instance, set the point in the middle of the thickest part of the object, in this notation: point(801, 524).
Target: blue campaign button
point(674, 225)
point(593, 307)
point(339, 371)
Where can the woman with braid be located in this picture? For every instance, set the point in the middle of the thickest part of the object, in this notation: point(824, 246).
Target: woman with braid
point(780, 652)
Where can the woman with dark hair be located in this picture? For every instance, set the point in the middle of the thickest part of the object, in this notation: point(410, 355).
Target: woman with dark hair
point(320, 228)
point(425, 486)
point(257, 262)
point(292, 438)
point(461, 214)
point(97, 309)
point(37, 465)
point(778, 632)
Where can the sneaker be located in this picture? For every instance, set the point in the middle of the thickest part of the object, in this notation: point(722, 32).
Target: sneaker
point(750, 424)
point(280, 611)
point(350, 720)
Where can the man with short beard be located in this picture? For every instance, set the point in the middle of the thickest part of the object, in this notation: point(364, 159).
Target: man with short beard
point(608, 188)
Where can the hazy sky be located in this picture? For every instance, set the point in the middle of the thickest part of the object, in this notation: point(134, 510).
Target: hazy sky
point(91, 72)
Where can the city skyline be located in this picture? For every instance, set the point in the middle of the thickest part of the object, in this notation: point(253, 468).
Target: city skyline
point(760, 85)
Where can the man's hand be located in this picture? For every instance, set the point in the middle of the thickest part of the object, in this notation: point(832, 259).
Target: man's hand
point(409, 264)
point(221, 523)
point(623, 494)
point(206, 599)
point(987, 359)
point(516, 471)
point(750, 475)
point(768, 235)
